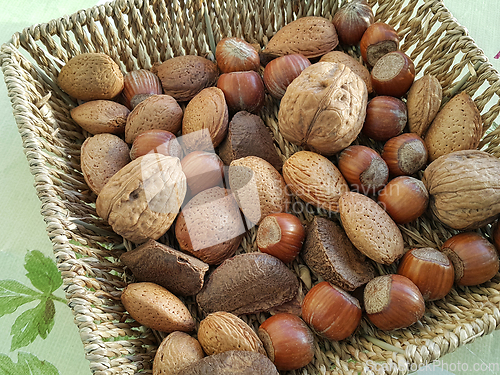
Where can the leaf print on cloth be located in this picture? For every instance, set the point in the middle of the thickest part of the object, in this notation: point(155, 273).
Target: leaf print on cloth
point(27, 364)
point(39, 320)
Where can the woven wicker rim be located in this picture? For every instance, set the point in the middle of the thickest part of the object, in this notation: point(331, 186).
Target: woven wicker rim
point(138, 33)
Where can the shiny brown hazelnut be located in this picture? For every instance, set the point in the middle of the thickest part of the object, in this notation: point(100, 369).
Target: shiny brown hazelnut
point(378, 40)
point(386, 117)
point(244, 91)
point(475, 259)
point(404, 198)
point(393, 302)
point(281, 235)
point(351, 21)
point(280, 72)
point(393, 74)
point(430, 270)
point(288, 341)
point(405, 154)
point(330, 311)
point(363, 168)
point(236, 55)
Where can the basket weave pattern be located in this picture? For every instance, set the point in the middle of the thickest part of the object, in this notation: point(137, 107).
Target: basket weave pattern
point(136, 34)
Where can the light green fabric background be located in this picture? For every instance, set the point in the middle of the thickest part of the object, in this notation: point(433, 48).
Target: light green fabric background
point(22, 228)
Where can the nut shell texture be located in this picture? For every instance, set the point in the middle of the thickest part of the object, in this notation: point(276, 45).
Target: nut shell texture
point(258, 188)
point(310, 36)
point(156, 308)
point(370, 229)
point(155, 262)
point(205, 120)
point(222, 331)
point(102, 156)
point(210, 226)
point(314, 179)
point(156, 112)
point(424, 100)
point(177, 351)
point(183, 77)
point(464, 188)
point(142, 200)
point(351, 63)
point(101, 116)
point(248, 283)
point(232, 362)
point(457, 126)
point(323, 108)
point(91, 76)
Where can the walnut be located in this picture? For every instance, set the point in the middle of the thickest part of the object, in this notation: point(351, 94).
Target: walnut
point(142, 199)
point(324, 108)
point(464, 188)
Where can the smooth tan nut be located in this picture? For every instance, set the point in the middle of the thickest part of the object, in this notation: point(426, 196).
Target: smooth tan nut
point(155, 307)
point(91, 76)
point(102, 156)
point(324, 108)
point(210, 226)
point(142, 199)
point(101, 116)
point(259, 282)
point(205, 120)
point(370, 229)
point(457, 126)
point(258, 188)
point(183, 77)
point(314, 179)
point(232, 362)
point(155, 262)
point(464, 188)
point(177, 351)
point(424, 100)
point(310, 36)
point(353, 64)
point(156, 112)
point(222, 331)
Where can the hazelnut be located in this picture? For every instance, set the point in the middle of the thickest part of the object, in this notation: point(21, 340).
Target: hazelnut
point(393, 302)
point(405, 154)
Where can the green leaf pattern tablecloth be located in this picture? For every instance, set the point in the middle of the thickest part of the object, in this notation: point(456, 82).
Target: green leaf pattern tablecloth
point(38, 335)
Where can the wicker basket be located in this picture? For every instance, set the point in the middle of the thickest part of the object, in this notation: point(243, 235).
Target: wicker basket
point(138, 33)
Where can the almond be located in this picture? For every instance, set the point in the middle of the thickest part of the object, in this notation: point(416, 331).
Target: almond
point(185, 76)
point(101, 116)
point(91, 76)
point(177, 351)
point(314, 179)
point(222, 331)
point(101, 157)
point(205, 121)
point(370, 229)
point(155, 307)
point(310, 36)
point(424, 100)
point(156, 112)
point(456, 127)
point(258, 188)
point(210, 226)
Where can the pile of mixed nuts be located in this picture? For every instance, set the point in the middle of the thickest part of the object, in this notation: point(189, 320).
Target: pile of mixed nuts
point(182, 147)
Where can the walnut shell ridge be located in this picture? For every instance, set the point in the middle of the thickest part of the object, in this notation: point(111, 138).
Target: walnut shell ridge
point(142, 200)
point(464, 188)
point(324, 108)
